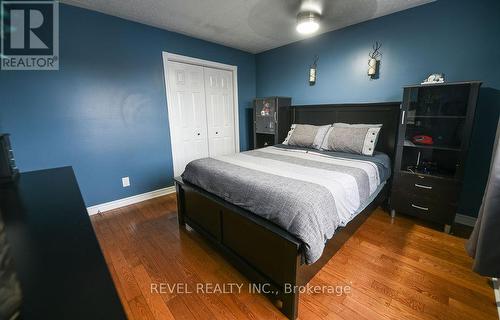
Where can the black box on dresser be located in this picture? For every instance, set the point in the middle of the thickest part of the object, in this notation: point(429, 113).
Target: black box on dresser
point(8, 168)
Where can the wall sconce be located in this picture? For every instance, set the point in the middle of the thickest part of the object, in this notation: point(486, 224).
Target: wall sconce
point(374, 60)
point(312, 72)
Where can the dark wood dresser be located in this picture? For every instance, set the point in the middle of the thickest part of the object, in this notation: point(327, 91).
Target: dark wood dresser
point(434, 135)
point(55, 253)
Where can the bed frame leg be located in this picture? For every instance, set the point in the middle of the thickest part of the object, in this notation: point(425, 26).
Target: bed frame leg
point(393, 213)
point(180, 205)
point(290, 305)
point(447, 228)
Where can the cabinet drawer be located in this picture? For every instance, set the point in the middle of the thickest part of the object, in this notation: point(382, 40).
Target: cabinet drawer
point(422, 207)
point(433, 189)
point(205, 213)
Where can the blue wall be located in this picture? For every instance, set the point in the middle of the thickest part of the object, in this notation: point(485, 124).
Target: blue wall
point(457, 37)
point(104, 112)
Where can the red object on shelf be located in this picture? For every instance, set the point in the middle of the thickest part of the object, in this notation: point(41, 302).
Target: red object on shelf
point(422, 139)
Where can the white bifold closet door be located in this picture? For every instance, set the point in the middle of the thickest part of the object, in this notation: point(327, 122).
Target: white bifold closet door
point(201, 113)
point(220, 117)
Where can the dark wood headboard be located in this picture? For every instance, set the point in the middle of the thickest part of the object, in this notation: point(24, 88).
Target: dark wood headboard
point(386, 113)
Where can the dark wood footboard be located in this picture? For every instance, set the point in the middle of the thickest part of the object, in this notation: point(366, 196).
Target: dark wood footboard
point(263, 252)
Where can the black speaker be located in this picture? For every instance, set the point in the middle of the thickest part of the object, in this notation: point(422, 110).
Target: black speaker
point(8, 169)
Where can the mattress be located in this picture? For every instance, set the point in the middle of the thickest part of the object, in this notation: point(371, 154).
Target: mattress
point(307, 192)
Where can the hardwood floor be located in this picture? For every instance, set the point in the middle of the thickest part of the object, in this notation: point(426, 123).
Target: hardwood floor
point(399, 270)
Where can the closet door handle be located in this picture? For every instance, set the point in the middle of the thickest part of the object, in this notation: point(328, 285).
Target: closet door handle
point(419, 207)
point(403, 117)
point(422, 186)
point(275, 118)
point(198, 133)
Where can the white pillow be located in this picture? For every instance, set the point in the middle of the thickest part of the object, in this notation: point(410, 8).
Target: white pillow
point(289, 134)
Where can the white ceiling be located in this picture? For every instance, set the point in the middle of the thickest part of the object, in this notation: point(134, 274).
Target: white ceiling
point(249, 25)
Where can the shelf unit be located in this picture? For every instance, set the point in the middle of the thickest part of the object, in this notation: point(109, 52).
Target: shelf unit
point(271, 120)
point(409, 144)
point(439, 117)
point(428, 177)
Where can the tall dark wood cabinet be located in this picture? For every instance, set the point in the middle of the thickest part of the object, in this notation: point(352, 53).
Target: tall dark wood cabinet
point(434, 135)
point(271, 118)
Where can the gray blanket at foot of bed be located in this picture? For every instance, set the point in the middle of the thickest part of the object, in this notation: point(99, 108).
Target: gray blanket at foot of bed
point(270, 185)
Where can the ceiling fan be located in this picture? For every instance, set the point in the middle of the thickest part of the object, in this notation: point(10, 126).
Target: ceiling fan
point(313, 14)
point(277, 20)
point(309, 16)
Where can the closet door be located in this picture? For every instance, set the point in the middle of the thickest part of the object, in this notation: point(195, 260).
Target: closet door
point(187, 112)
point(220, 111)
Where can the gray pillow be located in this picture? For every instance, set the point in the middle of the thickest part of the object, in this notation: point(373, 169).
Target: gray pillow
point(355, 138)
point(289, 135)
point(306, 135)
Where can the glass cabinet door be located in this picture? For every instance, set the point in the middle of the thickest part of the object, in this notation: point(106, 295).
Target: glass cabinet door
point(435, 122)
point(265, 116)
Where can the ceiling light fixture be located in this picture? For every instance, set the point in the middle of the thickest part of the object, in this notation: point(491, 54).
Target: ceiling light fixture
point(307, 22)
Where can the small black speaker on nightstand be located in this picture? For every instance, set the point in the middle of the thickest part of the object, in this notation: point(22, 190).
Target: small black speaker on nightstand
point(8, 169)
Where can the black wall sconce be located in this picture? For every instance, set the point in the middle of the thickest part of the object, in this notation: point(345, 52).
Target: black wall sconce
point(374, 61)
point(313, 72)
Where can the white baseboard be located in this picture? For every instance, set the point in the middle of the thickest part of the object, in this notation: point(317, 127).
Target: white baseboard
point(465, 220)
point(103, 207)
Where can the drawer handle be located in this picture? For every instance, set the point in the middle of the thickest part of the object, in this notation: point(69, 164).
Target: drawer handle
point(422, 186)
point(419, 207)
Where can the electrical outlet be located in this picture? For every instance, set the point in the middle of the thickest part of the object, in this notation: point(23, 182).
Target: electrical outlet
point(126, 182)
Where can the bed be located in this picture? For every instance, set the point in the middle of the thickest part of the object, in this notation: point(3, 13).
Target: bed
point(280, 213)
